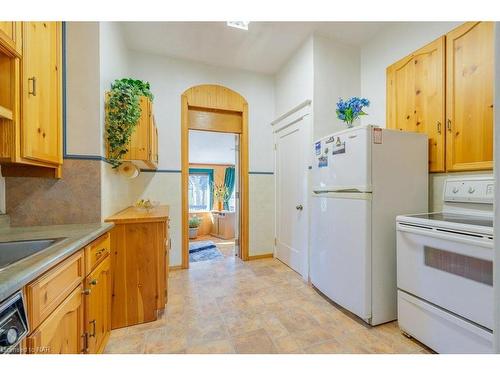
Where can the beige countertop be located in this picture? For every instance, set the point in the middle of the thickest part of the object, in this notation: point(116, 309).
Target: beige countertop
point(140, 215)
point(75, 236)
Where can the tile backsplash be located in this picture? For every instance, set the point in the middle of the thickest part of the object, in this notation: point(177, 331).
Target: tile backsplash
point(74, 199)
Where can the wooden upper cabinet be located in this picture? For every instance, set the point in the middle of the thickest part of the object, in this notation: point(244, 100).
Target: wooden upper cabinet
point(10, 37)
point(143, 144)
point(41, 94)
point(469, 103)
point(416, 98)
point(139, 145)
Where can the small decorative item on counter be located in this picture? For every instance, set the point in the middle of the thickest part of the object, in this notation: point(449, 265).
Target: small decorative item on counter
point(146, 204)
point(221, 195)
point(194, 224)
point(351, 109)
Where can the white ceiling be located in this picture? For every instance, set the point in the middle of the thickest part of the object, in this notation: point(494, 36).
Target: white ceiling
point(264, 48)
point(211, 147)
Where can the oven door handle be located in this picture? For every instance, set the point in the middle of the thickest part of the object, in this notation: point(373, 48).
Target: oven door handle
point(487, 244)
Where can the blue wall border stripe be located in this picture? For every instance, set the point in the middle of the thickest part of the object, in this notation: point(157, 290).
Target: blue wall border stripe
point(161, 170)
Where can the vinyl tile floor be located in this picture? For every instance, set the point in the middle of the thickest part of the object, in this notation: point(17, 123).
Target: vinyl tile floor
point(260, 306)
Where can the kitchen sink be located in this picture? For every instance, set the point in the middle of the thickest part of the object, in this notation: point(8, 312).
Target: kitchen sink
point(14, 251)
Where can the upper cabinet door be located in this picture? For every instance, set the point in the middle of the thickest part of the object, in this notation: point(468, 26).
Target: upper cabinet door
point(10, 36)
point(41, 92)
point(416, 98)
point(139, 145)
point(469, 107)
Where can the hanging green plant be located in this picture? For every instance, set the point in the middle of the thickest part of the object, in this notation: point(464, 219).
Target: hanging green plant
point(123, 111)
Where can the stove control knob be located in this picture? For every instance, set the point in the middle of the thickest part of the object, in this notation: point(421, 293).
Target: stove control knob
point(9, 337)
point(455, 190)
point(471, 190)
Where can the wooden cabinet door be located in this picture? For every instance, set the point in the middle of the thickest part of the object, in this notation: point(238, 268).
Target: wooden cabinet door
point(162, 271)
point(139, 145)
point(416, 98)
point(98, 307)
point(135, 259)
point(469, 97)
point(10, 36)
point(41, 92)
point(62, 331)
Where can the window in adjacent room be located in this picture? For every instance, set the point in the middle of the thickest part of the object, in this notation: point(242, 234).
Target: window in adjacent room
point(199, 189)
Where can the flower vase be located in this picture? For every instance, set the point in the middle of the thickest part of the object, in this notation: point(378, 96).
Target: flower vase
point(219, 206)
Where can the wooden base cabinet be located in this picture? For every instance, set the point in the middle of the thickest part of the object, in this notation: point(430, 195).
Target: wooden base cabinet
point(69, 306)
point(98, 307)
point(62, 331)
point(139, 250)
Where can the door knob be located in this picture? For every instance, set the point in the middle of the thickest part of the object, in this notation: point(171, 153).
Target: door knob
point(299, 207)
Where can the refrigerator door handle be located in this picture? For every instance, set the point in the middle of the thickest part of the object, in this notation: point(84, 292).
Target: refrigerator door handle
point(343, 195)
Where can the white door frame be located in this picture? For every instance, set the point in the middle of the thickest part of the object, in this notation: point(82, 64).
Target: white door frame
point(303, 111)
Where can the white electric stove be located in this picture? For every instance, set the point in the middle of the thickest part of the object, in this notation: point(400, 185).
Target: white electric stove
point(445, 270)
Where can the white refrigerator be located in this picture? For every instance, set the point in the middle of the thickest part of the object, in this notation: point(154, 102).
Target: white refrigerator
point(362, 178)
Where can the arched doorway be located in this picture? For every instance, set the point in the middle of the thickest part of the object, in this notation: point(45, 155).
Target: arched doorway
point(219, 109)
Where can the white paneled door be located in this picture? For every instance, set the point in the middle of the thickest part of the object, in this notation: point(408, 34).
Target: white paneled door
point(292, 146)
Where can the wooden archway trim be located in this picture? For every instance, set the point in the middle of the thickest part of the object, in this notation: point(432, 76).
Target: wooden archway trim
point(215, 98)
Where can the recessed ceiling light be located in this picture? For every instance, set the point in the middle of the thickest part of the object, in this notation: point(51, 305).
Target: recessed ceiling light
point(243, 25)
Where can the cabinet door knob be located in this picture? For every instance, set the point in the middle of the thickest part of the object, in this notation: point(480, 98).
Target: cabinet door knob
point(86, 291)
point(93, 282)
point(33, 86)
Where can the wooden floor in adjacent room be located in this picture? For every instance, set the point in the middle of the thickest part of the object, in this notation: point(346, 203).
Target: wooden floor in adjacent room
point(260, 306)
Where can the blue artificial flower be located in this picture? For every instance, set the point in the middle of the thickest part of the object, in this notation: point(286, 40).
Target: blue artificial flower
point(351, 109)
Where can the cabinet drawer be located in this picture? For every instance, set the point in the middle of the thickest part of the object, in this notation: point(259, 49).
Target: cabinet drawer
point(49, 290)
point(96, 252)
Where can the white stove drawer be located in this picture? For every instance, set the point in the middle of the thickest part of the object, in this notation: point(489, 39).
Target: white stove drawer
point(441, 331)
point(451, 272)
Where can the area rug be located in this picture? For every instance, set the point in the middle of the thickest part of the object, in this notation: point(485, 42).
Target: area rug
point(203, 250)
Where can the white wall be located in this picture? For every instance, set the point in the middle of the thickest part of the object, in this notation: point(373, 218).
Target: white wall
point(294, 82)
point(386, 47)
point(83, 98)
point(169, 78)
point(336, 75)
point(116, 191)
point(211, 147)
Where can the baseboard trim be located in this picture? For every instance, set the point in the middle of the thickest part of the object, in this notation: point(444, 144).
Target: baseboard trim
point(260, 256)
point(173, 268)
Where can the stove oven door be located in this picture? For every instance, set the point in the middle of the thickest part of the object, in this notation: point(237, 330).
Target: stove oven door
point(451, 270)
